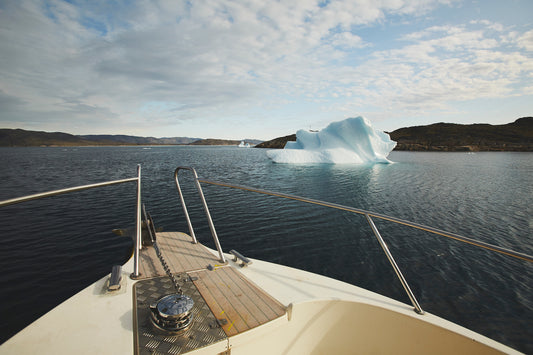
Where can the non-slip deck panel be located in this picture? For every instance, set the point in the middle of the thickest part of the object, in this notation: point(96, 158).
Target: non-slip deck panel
point(204, 329)
point(233, 298)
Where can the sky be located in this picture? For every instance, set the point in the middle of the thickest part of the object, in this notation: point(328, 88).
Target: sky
point(259, 69)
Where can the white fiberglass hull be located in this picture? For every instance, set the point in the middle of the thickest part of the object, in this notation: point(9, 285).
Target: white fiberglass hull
point(324, 316)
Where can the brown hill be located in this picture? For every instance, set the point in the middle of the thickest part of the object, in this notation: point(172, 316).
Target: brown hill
point(515, 136)
point(211, 141)
point(23, 138)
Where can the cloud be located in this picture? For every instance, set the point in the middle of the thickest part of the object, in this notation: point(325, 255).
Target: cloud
point(526, 41)
point(10, 103)
point(441, 65)
point(136, 63)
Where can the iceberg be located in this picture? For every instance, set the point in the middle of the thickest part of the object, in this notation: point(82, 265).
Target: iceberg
point(351, 141)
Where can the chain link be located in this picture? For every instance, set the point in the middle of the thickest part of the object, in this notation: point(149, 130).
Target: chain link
point(151, 231)
point(167, 269)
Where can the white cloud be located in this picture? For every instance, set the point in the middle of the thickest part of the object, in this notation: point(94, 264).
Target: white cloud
point(445, 64)
point(526, 41)
point(346, 40)
point(136, 63)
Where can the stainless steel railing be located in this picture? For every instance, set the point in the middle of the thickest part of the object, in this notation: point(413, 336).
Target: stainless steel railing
point(91, 186)
point(395, 266)
point(206, 209)
point(458, 237)
point(368, 215)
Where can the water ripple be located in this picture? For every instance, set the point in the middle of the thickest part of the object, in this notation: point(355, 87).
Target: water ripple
point(55, 247)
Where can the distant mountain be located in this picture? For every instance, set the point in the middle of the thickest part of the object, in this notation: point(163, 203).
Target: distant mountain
point(211, 141)
point(23, 138)
point(134, 140)
point(515, 136)
point(252, 141)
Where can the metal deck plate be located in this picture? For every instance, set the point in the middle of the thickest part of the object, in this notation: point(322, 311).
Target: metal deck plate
point(204, 330)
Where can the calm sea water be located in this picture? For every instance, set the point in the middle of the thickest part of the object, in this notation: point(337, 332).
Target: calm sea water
point(54, 247)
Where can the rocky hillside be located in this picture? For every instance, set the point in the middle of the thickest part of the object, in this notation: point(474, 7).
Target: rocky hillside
point(277, 143)
point(515, 136)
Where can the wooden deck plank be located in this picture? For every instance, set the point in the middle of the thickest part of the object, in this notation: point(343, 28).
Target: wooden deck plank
point(261, 304)
point(175, 250)
point(149, 265)
point(242, 295)
point(233, 297)
point(221, 307)
point(179, 252)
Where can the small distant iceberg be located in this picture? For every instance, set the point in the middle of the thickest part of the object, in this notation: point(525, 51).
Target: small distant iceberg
point(244, 145)
point(351, 141)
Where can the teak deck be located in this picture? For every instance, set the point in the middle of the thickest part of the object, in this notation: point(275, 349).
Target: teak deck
point(234, 300)
point(179, 252)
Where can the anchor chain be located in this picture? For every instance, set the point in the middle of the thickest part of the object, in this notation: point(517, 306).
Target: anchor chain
point(167, 269)
point(151, 231)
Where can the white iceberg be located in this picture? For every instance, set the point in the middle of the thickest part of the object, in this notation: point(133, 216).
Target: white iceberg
point(351, 141)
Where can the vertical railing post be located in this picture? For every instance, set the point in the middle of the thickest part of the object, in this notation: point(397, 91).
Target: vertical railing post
point(206, 209)
point(184, 206)
point(209, 219)
point(138, 230)
point(406, 287)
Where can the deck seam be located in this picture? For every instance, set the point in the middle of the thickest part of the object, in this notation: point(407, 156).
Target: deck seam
point(237, 304)
point(245, 305)
point(253, 290)
point(215, 311)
